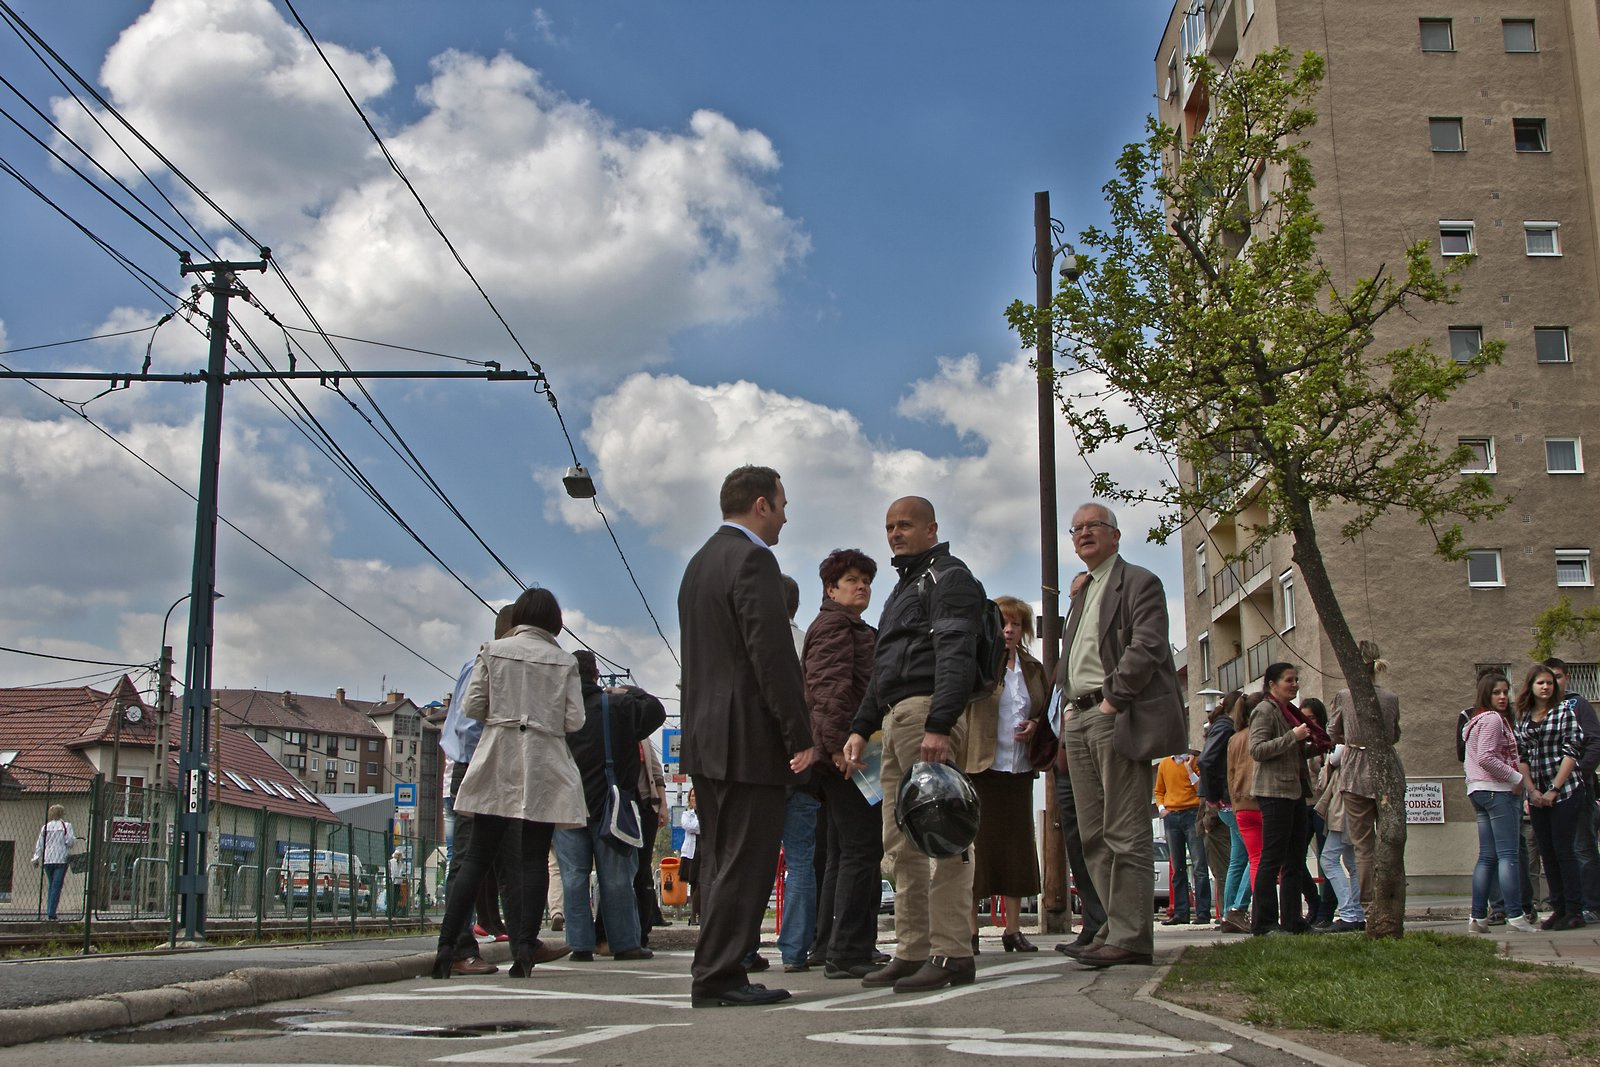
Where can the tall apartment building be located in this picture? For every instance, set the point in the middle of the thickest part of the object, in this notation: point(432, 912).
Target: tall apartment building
point(330, 744)
point(1474, 125)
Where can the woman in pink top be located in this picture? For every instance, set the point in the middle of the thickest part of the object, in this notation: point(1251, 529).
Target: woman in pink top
point(1494, 785)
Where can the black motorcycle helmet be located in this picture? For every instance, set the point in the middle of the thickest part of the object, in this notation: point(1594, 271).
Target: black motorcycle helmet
point(937, 809)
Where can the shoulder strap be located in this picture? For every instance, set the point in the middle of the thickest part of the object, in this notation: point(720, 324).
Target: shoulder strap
point(605, 730)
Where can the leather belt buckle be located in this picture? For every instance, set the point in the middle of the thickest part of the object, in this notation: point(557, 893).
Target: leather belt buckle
point(1089, 699)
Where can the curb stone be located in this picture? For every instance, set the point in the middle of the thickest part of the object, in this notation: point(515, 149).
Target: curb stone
point(244, 988)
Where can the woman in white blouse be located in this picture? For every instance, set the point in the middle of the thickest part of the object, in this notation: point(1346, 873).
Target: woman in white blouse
point(52, 849)
point(1005, 858)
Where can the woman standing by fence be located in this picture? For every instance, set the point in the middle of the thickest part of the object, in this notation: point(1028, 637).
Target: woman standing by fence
point(52, 848)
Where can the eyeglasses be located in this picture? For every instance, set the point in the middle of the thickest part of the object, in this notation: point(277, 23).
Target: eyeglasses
point(1087, 526)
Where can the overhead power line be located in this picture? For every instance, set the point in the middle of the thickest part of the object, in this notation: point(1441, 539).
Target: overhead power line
point(394, 165)
point(71, 659)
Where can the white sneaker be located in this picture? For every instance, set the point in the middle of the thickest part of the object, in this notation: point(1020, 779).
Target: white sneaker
point(1478, 926)
point(1520, 922)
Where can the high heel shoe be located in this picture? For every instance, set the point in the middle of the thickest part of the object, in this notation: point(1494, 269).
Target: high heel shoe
point(443, 963)
point(1017, 943)
point(521, 967)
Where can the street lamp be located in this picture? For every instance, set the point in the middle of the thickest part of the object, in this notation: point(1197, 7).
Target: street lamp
point(1210, 697)
point(164, 690)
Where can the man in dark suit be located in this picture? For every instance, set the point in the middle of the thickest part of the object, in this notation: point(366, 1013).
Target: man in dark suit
point(1123, 709)
point(745, 728)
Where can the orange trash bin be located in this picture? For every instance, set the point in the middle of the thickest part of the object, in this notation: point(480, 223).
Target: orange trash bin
point(672, 890)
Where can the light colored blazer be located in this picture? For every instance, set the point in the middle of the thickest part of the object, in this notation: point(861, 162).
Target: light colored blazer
point(1280, 756)
point(1355, 772)
point(524, 689)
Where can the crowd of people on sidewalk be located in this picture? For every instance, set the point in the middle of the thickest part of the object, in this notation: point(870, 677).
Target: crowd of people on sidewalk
point(805, 744)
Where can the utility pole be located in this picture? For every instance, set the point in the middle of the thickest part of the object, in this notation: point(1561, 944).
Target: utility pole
point(163, 710)
point(1055, 909)
point(193, 768)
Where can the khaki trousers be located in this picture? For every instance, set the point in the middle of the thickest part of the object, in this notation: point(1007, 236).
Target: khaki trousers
point(1361, 830)
point(933, 898)
point(1113, 797)
point(555, 880)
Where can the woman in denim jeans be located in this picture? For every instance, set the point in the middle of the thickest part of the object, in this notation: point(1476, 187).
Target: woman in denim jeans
point(51, 850)
point(1494, 785)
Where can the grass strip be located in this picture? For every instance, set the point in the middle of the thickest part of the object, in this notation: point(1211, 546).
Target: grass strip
point(1438, 990)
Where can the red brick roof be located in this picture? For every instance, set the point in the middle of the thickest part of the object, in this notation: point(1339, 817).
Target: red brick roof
point(296, 711)
point(50, 728)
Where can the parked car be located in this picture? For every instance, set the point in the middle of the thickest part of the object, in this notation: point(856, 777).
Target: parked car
point(886, 898)
point(1163, 871)
point(335, 875)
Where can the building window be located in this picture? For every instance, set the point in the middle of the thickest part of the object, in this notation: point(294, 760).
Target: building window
point(293, 737)
point(1436, 35)
point(1550, 344)
point(1286, 585)
point(372, 745)
point(349, 744)
point(349, 767)
point(1204, 643)
point(1444, 135)
point(1483, 568)
point(8, 863)
point(1584, 679)
point(1528, 135)
point(1465, 342)
point(316, 764)
point(1563, 455)
point(1541, 238)
point(372, 768)
point(349, 787)
point(1572, 567)
point(260, 734)
point(397, 768)
point(1172, 75)
point(1455, 238)
point(1482, 459)
point(295, 763)
point(1200, 580)
point(1519, 35)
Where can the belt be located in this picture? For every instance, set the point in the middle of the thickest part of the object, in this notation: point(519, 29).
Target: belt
point(1089, 699)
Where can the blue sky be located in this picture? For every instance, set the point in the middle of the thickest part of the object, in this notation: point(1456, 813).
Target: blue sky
point(729, 232)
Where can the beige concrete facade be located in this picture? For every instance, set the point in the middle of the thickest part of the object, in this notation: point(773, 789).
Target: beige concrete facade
point(1381, 185)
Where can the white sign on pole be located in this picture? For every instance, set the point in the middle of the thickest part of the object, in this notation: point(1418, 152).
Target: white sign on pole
point(1424, 802)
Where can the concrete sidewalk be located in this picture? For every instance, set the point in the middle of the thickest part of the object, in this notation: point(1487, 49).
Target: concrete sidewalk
point(46, 998)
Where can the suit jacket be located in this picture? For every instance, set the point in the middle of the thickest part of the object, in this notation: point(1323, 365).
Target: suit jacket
point(983, 716)
point(744, 698)
point(1141, 680)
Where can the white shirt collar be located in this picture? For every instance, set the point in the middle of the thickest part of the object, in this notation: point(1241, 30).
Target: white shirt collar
point(748, 533)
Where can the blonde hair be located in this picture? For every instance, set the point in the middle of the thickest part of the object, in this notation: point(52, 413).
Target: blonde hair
point(1370, 656)
point(1018, 611)
point(57, 811)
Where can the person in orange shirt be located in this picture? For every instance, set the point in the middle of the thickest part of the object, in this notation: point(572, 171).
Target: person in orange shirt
point(1179, 807)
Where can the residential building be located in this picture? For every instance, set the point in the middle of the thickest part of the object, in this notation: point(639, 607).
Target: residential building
point(55, 741)
point(331, 744)
point(1475, 126)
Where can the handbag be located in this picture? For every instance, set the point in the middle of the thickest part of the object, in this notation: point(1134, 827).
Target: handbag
point(1043, 742)
point(619, 819)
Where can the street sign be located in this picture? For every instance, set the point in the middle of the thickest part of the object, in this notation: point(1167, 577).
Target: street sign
point(671, 749)
point(405, 795)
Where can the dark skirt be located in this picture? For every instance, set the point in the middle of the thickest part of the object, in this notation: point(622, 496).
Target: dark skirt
point(686, 870)
point(1005, 857)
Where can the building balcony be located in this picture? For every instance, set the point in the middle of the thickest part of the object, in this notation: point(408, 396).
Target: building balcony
point(1230, 675)
point(1260, 656)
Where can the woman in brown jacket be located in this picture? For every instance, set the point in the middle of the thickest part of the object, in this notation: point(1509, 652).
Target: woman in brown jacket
point(1282, 785)
point(838, 663)
point(1246, 815)
point(1005, 858)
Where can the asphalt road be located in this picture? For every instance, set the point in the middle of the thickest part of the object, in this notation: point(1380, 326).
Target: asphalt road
point(1040, 1007)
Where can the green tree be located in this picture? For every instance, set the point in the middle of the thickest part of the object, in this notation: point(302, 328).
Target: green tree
point(1206, 311)
point(1559, 623)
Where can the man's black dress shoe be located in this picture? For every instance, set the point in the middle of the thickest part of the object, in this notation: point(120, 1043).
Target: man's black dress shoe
point(745, 996)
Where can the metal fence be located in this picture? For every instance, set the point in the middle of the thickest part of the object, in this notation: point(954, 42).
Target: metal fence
point(261, 865)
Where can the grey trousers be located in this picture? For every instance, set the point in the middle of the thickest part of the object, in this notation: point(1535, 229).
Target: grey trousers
point(1112, 795)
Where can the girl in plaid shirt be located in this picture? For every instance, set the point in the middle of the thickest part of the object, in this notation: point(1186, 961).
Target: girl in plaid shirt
point(1549, 741)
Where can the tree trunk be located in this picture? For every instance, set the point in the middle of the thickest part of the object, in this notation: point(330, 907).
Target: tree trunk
point(1386, 916)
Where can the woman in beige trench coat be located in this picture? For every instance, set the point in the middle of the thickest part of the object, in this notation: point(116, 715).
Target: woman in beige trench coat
point(522, 783)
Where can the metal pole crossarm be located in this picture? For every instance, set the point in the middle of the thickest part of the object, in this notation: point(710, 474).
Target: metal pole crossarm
point(116, 378)
point(186, 267)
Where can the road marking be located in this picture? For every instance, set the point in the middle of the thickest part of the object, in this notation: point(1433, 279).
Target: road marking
point(536, 1051)
point(480, 993)
point(873, 999)
point(1039, 1044)
point(399, 1031)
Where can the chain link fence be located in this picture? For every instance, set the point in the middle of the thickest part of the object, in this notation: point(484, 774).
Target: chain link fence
point(261, 865)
